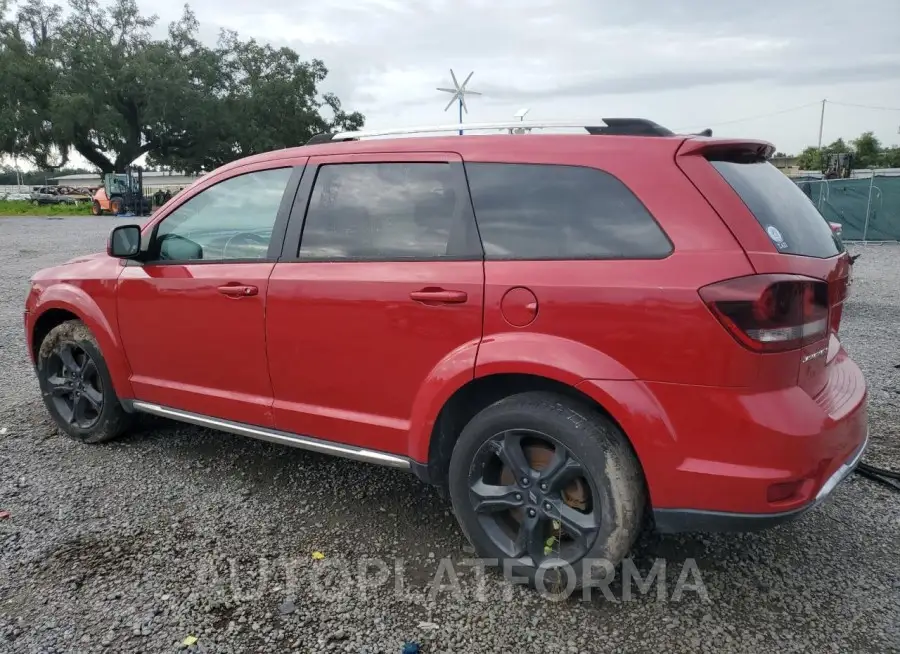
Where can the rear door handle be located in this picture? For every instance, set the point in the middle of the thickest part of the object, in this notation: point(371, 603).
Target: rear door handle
point(238, 290)
point(439, 296)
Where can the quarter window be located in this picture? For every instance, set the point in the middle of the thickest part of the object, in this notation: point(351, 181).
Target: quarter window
point(232, 220)
point(531, 211)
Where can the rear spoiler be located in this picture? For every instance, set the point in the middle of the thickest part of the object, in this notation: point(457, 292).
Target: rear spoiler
point(727, 149)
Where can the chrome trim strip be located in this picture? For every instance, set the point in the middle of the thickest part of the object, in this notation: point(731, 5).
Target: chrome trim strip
point(469, 127)
point(841, 473)
point(273, 436)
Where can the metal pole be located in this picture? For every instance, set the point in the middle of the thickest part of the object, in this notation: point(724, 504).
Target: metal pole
point(821, 124)
point(460, 114)
point(868, 206)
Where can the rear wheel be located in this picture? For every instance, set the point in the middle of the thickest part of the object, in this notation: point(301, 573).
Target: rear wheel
point(76, 385)
point(115, 206)
point(548, 487)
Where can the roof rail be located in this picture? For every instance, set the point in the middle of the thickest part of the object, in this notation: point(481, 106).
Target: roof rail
point(610, 126)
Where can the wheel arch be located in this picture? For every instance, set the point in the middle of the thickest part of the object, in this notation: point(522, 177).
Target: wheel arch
point(63, 302)
point(481, 392)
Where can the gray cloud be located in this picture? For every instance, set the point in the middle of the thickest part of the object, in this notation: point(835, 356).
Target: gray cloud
point(690, 61)
point(650, 82)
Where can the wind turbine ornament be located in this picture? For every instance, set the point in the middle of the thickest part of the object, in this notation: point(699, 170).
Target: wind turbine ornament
point(459, 92)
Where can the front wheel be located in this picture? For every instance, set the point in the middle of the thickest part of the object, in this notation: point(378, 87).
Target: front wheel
point(76, 385)
point(548, 487)
point(95, 208)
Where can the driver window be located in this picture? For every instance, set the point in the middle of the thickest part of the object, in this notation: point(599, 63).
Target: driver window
point(231, 220)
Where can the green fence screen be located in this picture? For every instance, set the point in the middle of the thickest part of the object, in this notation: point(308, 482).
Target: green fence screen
point(851, 201)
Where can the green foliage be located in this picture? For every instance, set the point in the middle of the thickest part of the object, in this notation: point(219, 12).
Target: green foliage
point(25, 208)
point(810, 159)
point(96, 82)
point(867, 153)
point(890, 157)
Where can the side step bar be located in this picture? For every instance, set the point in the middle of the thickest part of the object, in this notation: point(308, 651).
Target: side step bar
point(274, 436)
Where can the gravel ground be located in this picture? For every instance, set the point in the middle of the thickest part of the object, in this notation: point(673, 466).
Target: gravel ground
point(177, 531)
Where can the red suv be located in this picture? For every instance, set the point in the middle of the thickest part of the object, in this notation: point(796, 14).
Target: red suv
point(567, 332)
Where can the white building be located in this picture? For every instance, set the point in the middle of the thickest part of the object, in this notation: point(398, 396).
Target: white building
point(152, 180)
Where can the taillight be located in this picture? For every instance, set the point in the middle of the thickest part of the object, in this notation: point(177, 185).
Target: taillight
point(771, 313)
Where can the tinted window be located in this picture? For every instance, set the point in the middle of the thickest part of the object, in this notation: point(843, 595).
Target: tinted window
point(231, 220)
point(527, 211)
point(790, 219)
point(385, 211)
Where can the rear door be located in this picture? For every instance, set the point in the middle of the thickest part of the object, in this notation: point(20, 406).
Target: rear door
point(385, 285)
point(779, 228)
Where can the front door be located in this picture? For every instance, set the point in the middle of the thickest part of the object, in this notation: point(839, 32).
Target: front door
point(192, 315)
point(388, 284)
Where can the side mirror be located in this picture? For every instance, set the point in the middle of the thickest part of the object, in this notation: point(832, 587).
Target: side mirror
point(124, 242)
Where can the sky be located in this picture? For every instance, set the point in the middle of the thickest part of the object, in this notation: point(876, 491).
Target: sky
point(687, 64)
point(755, 69)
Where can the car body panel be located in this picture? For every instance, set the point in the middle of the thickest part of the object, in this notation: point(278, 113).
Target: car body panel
point(721, 458)
point(323, 317)
point(212, 358)
point(85, 287)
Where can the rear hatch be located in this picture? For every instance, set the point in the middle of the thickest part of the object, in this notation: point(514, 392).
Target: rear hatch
point(794, 305)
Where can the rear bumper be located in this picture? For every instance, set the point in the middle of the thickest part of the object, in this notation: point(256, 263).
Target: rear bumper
point(670, 521)
point(726, 458)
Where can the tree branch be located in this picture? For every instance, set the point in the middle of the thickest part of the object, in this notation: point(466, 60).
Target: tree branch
point(90, 152)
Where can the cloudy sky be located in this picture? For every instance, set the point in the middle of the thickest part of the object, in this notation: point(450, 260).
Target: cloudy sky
point(755, 68)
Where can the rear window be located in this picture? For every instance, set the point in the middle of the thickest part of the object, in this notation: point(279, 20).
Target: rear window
point(790, 219)
point(535, 211)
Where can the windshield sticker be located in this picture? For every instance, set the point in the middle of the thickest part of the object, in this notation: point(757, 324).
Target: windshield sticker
point(776, 237)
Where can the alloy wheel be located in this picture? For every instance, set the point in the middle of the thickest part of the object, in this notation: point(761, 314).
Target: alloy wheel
point(533, 498)
point(74, 384)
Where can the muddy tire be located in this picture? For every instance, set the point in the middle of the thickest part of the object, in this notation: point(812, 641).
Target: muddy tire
point(95, 208)
point(76, 386)
point(550, 488)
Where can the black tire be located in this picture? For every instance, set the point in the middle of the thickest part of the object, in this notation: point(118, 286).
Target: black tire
point(116, 205)
point(100, 416)
point(600, 453)
point(95, 208)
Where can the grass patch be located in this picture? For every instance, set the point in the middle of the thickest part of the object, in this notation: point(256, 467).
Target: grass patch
point(26, 208)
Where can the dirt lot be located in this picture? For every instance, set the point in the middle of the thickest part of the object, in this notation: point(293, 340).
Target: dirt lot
point(177, 531)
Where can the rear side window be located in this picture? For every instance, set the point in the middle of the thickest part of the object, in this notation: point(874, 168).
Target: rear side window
point(790, 219)
point(386, 212)
point(536, 211)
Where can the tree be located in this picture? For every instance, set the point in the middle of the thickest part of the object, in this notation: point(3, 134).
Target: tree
point(96, 82)
point(890, 158)
point(266, 102)
point(810, 159)
point(867, 153)
point(867, 150)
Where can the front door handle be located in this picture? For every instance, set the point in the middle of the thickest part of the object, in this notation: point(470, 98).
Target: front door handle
point(439, 296)
point(238, 290)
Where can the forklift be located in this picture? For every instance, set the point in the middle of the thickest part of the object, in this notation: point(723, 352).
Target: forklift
point(122, 193)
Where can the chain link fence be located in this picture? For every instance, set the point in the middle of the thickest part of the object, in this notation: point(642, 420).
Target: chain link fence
point(867, 207)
